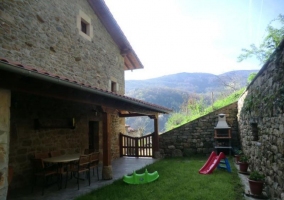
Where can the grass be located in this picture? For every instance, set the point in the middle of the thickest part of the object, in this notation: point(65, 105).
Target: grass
point(179, 119)
point(179, 179)
point(217, 105)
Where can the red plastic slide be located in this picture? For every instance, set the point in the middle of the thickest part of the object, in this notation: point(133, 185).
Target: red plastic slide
point(211, 163)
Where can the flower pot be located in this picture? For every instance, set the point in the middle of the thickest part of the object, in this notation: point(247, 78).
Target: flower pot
point(256, 187)
point(243, 166)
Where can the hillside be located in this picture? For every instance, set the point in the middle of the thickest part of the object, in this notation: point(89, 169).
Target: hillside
point(172, 91)
point(190, 82)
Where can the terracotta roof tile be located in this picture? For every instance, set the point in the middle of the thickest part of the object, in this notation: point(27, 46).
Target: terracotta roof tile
point(45, 73)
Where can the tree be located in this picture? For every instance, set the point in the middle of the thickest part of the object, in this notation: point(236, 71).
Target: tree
point(231, 81)
point(174, 120)
point(270, 42)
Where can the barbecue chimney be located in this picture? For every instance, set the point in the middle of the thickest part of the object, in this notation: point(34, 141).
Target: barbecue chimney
point(222, 123)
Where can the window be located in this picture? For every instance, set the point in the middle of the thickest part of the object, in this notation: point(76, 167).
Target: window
point(113, 86)
point(84, 26)
point(254, 130)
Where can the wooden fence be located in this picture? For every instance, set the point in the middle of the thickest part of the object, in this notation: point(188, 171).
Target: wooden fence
point(136, 146)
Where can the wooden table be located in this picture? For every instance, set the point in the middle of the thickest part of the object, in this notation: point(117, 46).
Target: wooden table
point(61, 160)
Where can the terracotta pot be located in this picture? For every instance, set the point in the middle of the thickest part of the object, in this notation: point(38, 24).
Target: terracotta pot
point(243, 167)
point(256, 187)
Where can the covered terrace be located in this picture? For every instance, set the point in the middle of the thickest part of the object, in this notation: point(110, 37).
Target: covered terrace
point(46, 112)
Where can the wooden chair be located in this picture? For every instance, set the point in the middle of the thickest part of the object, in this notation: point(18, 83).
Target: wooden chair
point(42, 155)
point(39, 170)
point(61, 169)
point(94, 162)
point(54, 153)
point(81, 166)
point(88, 151)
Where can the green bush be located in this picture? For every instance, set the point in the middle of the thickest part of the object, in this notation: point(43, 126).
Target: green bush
point(256, 176)
point(239, 152)
point(244, 159)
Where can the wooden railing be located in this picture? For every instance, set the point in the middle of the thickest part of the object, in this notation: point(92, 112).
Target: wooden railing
point(136, 146)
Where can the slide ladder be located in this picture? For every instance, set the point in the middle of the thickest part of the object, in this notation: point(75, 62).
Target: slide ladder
point(224, 164)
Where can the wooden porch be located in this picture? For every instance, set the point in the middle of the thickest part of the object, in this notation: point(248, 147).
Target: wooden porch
point(42, 108)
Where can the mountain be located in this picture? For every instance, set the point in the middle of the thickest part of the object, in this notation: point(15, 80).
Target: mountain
point(191, 82)
point(172, 91)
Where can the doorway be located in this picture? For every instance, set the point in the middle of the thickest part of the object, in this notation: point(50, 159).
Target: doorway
point(94, 135)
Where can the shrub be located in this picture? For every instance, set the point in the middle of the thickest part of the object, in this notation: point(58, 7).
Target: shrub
point(239, 152)
point(256, 176)
point(244, 159)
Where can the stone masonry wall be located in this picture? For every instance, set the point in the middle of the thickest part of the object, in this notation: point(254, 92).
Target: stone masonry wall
point(261, 123)
point(25, 140)
point(44, 34)
point(198, 136)
point(117, 127)
point(4, 140)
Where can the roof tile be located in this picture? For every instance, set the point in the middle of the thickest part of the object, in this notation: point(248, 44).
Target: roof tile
point(45, 73)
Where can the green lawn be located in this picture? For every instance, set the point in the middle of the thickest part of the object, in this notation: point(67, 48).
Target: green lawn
point(179, 179)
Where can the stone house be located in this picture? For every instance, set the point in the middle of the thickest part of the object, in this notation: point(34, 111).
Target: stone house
point(62, 69)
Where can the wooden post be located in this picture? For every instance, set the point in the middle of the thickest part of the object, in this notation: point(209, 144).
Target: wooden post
point(156, 137)
point(120, 145)
point(136, 147)
point(107, 168)
point(5, 104)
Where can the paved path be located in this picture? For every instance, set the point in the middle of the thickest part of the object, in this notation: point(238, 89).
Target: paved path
point(244, 180)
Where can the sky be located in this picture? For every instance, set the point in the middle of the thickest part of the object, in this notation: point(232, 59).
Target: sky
point(174, 36)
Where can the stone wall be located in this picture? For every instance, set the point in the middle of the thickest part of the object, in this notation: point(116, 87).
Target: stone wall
point(44, 34)
point(198, 136)
point(4, 140)
point(25, 140)
point(117, 127)
point(261, 123)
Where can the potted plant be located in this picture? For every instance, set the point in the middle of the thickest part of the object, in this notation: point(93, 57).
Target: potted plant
point(256, 182)
point(238, 155)
point(243, 163)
